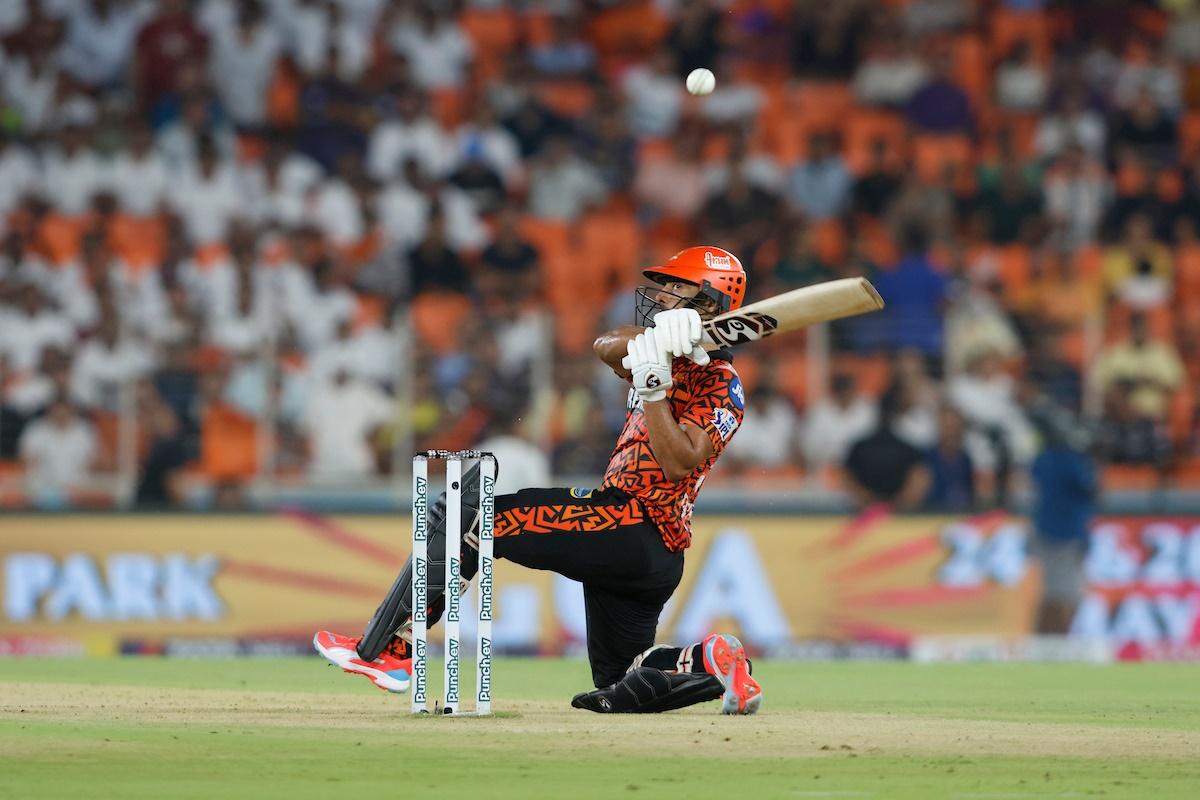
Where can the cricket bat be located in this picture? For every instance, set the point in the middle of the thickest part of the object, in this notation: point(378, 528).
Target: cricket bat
point(791, 311)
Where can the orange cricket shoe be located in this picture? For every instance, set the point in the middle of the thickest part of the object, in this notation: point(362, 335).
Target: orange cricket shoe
point(725, 658)
point(391, 671)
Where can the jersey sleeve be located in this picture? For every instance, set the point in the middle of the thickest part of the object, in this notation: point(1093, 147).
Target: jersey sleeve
point(717, 405)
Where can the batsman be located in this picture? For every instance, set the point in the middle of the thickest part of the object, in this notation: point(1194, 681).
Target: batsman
point(625, 540)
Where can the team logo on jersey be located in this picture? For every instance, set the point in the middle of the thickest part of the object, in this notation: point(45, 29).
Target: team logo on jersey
point(737, 393)
point(581, 494)
point(725, 422)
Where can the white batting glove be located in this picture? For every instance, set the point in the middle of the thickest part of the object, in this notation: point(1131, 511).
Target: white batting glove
point(679, 332)
point(650, 365)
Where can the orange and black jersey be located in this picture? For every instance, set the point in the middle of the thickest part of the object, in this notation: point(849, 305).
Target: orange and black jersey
point(709, 397)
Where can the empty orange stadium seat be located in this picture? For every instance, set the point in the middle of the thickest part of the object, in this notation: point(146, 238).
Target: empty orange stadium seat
point(636, 27)
point(972, 67)
point(611, 247)
point(829, 240)
point(567, 98)
point(872, 374)
point(828, 99)
point(1009, 27)
point(1130, 477)
point(860, 131)
point(437, 319)
point(494, 32)
point(791, 376)
point(228, 444)
point(1189, 135)
point(449, 107)
point(1014, 269)
point(933, 153)
point(59, 235)
point(140, 241)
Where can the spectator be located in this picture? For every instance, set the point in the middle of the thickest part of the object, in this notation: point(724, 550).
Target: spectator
point(433, 265)
point(1073, 123)
point(482, 138)
point(29, 394)
point(324, 310)
point(476, 178)
point(952, 473)
point(524, 463)
point(695, 36)
point(30, 84)
point(207, 197)
point(31, 326)
point(820, 186)
point(986, 395)
point(99, 41)
point(164, 46)
point(654, 95)
point(139, 173)
point(879, 184)
point(741, 213)
point(200, 117)
point(882, 468)
point(836, 422)
point(766, 438)
point(1145, 129)
point(672, 186)
point(510, 258)
point(891, 72)
point(435, 45)
point(1077, 192)
point(1139, 270)
point(341, 418)
point(562, 186)
point(918, 400)
point(1055, 377)
point(276, 185)
point(243, 62)
point(1021, 83)
point(606, 144)
point(317, 28)
point(565, 55)
point(73, 172)
point(1065, 491)
point(799, 265)
point(1147, 370)
point(18, 173)
point(330, 117)
point(106, 364)
point(1013, 208)
point(1147, 67)
point(411, 135)
point(158, 484)
point(58, 452)
point(940, 105)
point(977, 322)
point(914, 293)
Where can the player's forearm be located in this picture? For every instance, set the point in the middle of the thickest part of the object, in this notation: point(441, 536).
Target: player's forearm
point(678, 450)
point(612, 346)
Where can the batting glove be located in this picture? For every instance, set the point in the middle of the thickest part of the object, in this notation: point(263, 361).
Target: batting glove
point(650, 365)
point(679, 332)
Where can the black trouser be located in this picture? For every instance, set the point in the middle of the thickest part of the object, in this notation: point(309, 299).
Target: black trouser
point(604, 541)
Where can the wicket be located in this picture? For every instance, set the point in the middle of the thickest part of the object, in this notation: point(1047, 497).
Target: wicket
point(454, 585)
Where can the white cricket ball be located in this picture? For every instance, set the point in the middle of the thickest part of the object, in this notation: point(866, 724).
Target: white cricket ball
point(701, 81)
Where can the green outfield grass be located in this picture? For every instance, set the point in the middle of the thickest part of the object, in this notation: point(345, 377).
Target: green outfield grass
point(151, 728)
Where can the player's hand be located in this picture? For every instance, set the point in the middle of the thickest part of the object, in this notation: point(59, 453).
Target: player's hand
point(679, 332)
point(650, 365)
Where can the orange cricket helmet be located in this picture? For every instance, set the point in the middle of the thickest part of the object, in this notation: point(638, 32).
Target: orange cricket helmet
point(719, 269)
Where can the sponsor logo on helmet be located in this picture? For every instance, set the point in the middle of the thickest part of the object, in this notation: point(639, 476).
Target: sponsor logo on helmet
point(714, 260)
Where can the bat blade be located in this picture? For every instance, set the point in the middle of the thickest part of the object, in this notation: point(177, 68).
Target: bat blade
point(799, 308)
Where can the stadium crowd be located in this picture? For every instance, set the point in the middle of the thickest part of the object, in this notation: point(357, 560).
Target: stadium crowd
point(370, 224)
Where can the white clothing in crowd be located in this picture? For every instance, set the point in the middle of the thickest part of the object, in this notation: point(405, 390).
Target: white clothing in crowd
point(522, 464)
point(338, 418)
point(71, 180)
point(23, 336)
point(438, 58)
point(242, 69)
point(57, 458)
point(655, 101)
point(767, 435)
point(97, 49)
point(830, 429)
point(207, 204)
point(99, 371)
point(396, 141)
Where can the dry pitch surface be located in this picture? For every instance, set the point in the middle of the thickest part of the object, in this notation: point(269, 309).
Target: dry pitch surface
point(292, 728)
